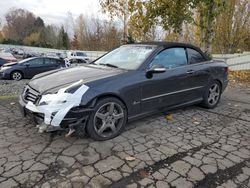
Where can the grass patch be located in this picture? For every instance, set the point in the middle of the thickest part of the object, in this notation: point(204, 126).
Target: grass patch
point(240, 77)
point(6, 97)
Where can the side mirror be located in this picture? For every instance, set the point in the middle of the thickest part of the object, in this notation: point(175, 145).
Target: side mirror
point(27, 64)
point(155, 69)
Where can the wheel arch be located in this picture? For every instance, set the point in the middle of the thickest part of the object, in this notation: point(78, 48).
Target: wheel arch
point(219, 81)
point(16, 70)
point(93, 102)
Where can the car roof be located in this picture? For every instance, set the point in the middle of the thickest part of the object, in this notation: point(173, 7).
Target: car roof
point(167, 44)
point(173, 44)
point(30, 58)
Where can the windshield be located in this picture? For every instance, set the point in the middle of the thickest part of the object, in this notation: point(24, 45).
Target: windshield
point(128, 57)
point(24, 60)
point(81, 54)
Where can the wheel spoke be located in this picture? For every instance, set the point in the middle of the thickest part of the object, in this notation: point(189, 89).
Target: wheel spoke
point(213, 88)
point(102, 128)
point(212, 100)
point(216, 94)
point(209, 97)
point(113, 128)
point(118, 116)
point(101, 116)
point(111, 108)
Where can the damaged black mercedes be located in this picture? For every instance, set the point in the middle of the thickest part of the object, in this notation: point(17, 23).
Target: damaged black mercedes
point(130, 82)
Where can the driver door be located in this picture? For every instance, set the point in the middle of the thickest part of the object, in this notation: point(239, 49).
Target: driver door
point(168, 88)
point(34, 66)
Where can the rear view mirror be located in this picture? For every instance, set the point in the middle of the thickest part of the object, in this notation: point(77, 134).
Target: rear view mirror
point(155, 69)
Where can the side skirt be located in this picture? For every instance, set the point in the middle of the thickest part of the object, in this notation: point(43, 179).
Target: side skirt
point(142, 115)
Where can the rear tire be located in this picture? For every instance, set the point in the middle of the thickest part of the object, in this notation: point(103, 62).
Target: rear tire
point(212, 95)
point(107, 120)
point(16, 75)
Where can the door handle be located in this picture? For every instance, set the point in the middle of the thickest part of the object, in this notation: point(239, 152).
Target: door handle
point(190, 72)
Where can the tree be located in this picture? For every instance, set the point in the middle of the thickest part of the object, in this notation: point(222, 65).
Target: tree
point(69, 24)
point(168, 14)
point(1, 37)
point(19, 24)
point(80, 32)
point(111, 36)
point(75, 43)
point(63, 39)
point(93, 33)
point(208, 10)
point(38, 24)
point(121, 9)
point(50, 36)
point(232, 31)
point(32, 39)
point(131, 40)
point(173, 15)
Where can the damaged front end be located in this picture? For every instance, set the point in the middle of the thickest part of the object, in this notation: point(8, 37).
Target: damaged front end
point(60, 110)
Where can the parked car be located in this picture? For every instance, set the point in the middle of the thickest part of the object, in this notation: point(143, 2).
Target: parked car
point(77, 57)
point(27, 68)
point(29, 54)
point(2, 61)
point(128, 83)
point(6, 58)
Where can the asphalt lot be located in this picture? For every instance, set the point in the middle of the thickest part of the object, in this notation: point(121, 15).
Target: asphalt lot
point(197, 148)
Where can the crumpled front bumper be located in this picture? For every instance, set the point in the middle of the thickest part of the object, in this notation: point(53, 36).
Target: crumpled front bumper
point(77, 116)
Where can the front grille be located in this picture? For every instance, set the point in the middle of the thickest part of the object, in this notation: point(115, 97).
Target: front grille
point(31, 95)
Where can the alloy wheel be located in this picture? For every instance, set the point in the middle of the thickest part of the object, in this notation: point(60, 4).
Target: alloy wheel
point(17, 76)
point(213, 94)
point(108, 119)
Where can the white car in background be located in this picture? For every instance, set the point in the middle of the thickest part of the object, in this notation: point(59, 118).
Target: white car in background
point(78, 57)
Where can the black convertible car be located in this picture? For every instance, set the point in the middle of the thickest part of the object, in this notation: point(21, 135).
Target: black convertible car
point(127, 83)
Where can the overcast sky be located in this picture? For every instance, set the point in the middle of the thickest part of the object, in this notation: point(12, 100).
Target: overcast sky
point(52, 11)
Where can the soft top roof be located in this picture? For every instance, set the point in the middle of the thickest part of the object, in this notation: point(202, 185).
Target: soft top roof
point(167, 44)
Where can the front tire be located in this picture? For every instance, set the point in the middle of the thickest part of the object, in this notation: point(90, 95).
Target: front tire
point(107, 120)
point(16, 75)
point(212, 95)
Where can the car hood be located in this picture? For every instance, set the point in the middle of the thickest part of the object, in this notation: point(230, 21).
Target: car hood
point(54, 80)
point(9, 64)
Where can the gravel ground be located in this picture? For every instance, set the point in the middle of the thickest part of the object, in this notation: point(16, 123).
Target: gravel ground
point(11, 87)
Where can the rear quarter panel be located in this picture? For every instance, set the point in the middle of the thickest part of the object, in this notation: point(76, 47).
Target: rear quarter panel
point(219, 71)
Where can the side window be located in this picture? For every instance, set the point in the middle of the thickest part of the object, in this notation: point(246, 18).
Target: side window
point(171, 58)
point(59, 62)
point(194, 56)
point(36, 62)
point(49, 62)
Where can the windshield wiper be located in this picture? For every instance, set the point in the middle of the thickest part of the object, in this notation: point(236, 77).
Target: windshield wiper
point(109, 65)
